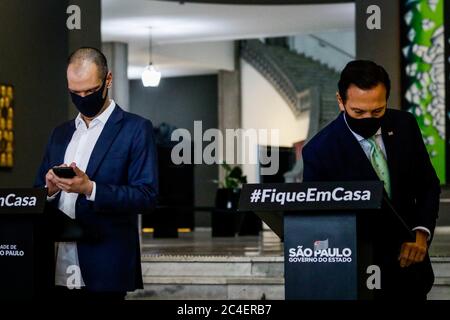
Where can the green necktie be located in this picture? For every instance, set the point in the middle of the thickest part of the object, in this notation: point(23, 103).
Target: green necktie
point(379, 163)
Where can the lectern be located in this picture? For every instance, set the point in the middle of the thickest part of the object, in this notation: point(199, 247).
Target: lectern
point(329, 234)
point(26, 249)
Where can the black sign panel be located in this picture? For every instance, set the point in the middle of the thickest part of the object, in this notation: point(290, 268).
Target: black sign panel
point(320, 257)
point(311, 196)
point(22, 201)
point(17, 259)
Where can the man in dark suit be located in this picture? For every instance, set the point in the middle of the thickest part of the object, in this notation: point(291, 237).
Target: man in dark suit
point(112, 153)
point(367, 141)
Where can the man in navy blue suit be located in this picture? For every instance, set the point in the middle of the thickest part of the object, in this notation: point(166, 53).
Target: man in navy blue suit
point(112, 153)
point(368, 141)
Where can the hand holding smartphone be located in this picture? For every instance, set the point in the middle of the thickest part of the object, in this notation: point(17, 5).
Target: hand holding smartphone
point(64, 172)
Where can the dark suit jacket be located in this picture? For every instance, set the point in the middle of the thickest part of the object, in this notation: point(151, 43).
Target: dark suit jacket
point(123, 166)
point(334, 154)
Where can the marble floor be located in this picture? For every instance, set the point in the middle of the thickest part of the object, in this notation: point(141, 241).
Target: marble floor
point(203, 267)
point(201, 243)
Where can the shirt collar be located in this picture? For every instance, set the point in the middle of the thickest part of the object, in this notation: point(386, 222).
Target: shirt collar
point(102, 118)
point(357, 136)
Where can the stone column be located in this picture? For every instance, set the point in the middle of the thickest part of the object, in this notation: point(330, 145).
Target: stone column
point(229, 104)
point(117, 55)
point(229, 100)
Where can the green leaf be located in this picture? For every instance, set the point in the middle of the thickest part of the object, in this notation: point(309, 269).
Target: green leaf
point(236, 172)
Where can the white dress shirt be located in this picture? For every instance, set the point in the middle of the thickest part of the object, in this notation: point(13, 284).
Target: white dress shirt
point(365, 145)
point(79, 151)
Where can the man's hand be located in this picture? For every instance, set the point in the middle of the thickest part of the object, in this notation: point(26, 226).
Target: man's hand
point(413, 252)
point(50, 182)
point(78, 184)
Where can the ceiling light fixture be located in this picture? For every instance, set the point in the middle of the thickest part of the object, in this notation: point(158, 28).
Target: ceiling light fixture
point(151, 76)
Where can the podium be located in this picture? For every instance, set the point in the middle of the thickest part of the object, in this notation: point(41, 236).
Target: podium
point(26, 249)
point(329, 231)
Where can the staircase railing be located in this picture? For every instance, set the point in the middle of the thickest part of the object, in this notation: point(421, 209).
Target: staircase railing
point(329, 54)
point(255, 53)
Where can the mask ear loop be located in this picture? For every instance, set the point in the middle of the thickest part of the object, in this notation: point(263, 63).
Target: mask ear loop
point(345, 113)
point(104, 86)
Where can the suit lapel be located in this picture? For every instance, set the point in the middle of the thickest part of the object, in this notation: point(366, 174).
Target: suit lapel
point(390, 144)
point(109, 133)
point(61, 147)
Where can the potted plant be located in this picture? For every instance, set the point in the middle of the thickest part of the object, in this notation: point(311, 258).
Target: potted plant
point(224, 218)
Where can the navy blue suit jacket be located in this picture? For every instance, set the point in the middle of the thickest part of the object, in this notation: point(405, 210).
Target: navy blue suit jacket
point(123, 166)
point(334, 154)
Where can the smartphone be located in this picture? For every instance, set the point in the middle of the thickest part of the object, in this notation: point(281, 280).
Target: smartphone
point(64, 172)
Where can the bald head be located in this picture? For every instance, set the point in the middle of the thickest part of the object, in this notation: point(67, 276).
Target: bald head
point(83, 59)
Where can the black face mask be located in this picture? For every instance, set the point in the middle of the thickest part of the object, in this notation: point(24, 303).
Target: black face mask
point(365, 127)
point(90, 105)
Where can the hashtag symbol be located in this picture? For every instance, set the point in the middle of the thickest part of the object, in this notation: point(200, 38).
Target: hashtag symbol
point(256, 194)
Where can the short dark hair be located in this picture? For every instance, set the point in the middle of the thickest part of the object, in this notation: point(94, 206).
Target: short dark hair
point(364, 74)
point(92, 55)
